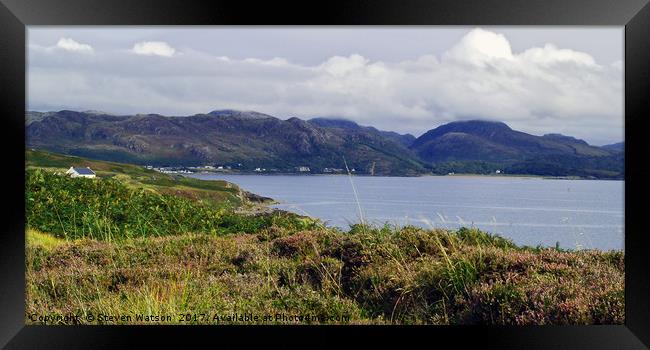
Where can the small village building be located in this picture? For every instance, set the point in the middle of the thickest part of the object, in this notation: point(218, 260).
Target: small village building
point(81, 172)
point(303, 169)
point(332, 170)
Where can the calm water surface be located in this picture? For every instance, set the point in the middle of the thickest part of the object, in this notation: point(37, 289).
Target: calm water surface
point(579, 214)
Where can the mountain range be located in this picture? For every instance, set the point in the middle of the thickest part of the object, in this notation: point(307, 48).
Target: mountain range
point(250, 140)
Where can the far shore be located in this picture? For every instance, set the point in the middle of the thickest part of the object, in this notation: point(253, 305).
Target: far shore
point(523, 176)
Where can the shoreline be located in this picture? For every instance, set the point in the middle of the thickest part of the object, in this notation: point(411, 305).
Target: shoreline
point(522, 176)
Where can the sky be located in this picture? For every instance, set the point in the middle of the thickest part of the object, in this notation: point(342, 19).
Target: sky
point(408, 79)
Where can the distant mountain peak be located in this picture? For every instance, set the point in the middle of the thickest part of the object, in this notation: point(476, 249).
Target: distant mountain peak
point(239, 114)
point(480, 123)
point(334, 123)
point(482, 140)
point(92, 111)
point(472, 127)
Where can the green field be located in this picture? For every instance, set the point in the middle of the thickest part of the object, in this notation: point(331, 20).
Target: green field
point(135, 243)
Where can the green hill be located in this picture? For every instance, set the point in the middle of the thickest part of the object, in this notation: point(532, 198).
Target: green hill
point(485, 146)
point(249, 140)
point(217, 192)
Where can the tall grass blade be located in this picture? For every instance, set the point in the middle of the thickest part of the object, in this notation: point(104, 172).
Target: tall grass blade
point(354, 190)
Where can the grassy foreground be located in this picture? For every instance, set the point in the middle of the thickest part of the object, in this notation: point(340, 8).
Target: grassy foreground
point(121, 254)
point(363, 276)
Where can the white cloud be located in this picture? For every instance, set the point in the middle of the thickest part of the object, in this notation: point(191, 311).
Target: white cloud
point(480, 46)
point(68, 44)
point(276, 61)
point(341, 66)
point(549, 54)
point(153, 48)
point(539, 90)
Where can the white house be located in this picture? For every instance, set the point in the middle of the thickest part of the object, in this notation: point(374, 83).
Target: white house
point(80, 172)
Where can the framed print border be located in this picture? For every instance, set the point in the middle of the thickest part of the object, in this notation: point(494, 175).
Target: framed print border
point(16, 15)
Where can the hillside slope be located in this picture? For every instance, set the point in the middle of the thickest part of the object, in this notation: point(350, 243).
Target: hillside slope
point(485, 140)
point(494, 145)
point(213, 192)
point(225, 137)
point(246, 141)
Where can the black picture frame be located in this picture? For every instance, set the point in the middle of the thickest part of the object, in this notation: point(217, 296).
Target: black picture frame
point(15, 15)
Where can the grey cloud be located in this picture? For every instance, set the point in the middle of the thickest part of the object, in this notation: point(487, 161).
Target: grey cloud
point(539, 89)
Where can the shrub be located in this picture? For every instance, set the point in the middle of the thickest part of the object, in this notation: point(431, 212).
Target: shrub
point(106, 209)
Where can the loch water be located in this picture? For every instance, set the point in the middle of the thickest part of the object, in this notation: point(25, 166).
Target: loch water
point(577, 214)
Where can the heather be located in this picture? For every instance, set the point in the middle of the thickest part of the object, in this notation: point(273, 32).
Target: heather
point(118, 246)
point(367, 275)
